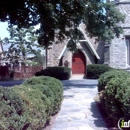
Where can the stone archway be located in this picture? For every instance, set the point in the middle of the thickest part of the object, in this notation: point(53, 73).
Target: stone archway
point(78, 63)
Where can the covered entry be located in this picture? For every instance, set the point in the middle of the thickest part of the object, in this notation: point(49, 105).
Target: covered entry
point(78, 63)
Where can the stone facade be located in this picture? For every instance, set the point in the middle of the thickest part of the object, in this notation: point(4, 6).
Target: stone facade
point(55, 51)
point(115, 54)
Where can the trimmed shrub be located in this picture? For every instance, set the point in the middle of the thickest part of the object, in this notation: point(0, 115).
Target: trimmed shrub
point(114, 89)
point(30, 106)
point(95, 70)
point(107, 76)
point(12, 110)
point(54, 85)
point(110, 102)
point(49, 94)
point(38, 108)
point(116, 99)
point(58, 72)
point(123, 96)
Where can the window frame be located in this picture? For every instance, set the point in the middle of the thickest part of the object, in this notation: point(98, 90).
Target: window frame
point(128, 51)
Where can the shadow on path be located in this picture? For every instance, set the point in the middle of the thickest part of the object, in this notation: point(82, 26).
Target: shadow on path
point(97, 115)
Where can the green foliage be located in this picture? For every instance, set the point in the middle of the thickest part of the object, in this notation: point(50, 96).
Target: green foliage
point(58, 72)
point(48, 93)
point(114, 87)
point(107, 76)
point(124, 97)
point(37, 106)
point(12, 110)
point(111, 104)
point(55, 86)
point(60, 19)
point(21, 43)
point(116, 97)
point(30, 105)
point(95, 70)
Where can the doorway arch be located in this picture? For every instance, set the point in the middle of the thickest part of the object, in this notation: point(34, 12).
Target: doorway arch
point(78, 63)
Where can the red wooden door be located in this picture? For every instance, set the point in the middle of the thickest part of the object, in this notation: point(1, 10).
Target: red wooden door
point(78, 63)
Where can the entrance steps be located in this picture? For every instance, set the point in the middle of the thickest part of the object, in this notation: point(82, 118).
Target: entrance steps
point(77, 76)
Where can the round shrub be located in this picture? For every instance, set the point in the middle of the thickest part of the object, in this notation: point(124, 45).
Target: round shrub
point(37, 106)
point(110, 102)
point(123, 95)
point(107, 76)
point(49, 94)
point(116, 99)
point(58, 72)
point(54, 85)
point(95, 70)
point(12, 110)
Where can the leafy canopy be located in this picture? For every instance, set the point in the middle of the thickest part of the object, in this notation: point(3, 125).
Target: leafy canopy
point(22, 42)
point(59, 19)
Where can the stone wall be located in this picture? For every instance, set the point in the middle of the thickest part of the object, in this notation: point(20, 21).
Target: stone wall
point(54, 52)
point(115, 54)
point(118, 53)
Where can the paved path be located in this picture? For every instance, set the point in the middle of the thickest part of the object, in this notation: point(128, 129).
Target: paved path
point(11, 83)
point(78, 110)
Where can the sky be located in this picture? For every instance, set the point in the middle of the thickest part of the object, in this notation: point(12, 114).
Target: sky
point(3, 30)
point(4, 33)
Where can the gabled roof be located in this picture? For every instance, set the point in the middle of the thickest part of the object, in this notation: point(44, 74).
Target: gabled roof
point(65, 49)
point(87, 41)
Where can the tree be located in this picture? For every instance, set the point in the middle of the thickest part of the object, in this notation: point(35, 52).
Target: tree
point(59, 19)
point(21, 44)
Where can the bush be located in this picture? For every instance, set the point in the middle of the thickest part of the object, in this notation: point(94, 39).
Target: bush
point(58, 72)
point(123, 96)
point(116, 101)
point(12, 110)
point(107, 76)
point(95, 70)
point(115, 97)
point(110, 102)
point(54, 85)
point(48, 93)
point(30, 105)
point(38, 108)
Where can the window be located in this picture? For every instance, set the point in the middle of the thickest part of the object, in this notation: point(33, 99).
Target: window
point(128, 50)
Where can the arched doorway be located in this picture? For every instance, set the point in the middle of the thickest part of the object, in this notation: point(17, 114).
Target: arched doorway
point(78, 63)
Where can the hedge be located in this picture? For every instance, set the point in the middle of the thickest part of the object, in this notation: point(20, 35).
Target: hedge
point(105, 78)
point(95, 70)
point(37, 106)
point(30, 105)
point(115, 97)
point(54, 84)
point(58, 72)
point(12, 110)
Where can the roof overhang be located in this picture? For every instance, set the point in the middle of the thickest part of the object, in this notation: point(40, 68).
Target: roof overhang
point(88, 43)
point(64, 51)
point(86, 40)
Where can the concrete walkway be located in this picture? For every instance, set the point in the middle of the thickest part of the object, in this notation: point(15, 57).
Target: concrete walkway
point(78, 110)
point(11, 83)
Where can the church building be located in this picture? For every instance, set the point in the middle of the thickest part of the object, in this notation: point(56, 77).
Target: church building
point(115, 54)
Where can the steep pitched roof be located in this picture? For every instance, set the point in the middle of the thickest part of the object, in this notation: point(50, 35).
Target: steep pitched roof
point(87, 41)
